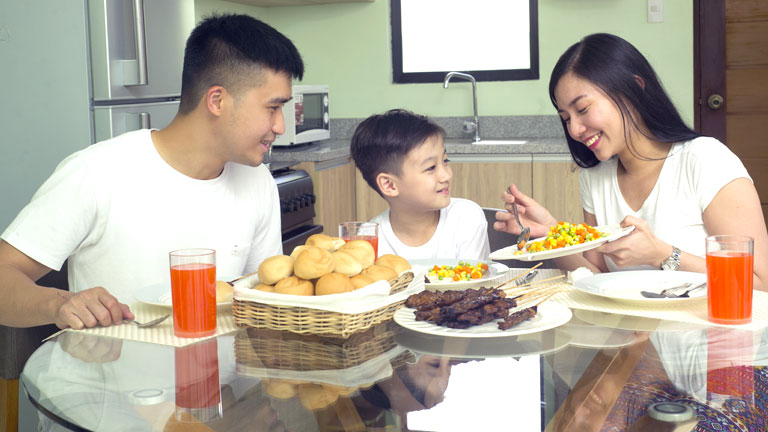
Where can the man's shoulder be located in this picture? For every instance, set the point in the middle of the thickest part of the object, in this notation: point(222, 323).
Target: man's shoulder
point(119, 147)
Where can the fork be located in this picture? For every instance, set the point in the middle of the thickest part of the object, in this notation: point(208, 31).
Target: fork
point(525, 232)
point(527, 278)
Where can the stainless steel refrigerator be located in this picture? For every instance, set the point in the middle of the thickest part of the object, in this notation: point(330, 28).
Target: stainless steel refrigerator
point(75, 72)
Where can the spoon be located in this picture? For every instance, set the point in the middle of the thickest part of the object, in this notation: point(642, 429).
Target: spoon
point(149, 324)
point(666, 294)
point(527, 278)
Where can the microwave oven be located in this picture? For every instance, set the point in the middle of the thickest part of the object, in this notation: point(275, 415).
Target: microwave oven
point(306, 116)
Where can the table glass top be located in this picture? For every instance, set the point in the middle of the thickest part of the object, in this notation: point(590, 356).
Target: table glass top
point(598, 371)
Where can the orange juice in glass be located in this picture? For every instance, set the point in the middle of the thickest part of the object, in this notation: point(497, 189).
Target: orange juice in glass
point(198, 393)
point(193, 292)
point(368, 231)
point(730, 262)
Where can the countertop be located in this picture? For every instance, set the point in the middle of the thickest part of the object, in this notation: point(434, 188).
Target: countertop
point(339, 148)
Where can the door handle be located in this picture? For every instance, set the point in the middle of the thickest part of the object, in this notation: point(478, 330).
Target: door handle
point(715, 101)
point(141, 42)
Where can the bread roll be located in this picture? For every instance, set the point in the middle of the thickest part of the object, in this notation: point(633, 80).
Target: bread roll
point(295, 286)
point(263, 287)
point(361, 280)
point(312, 263)
point(395, 262)
point(361, 250)
point(333, 283)
point(379, 272)
point(275, 268)
point(315, 396)
point(297, 250)
point(324, 242)
point(224, 292)
point(346, 264)
point(341, 391)
point(280, 389)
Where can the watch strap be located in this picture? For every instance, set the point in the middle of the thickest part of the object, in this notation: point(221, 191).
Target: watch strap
point(673, 262)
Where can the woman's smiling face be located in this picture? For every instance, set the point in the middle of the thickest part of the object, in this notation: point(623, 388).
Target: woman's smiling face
point(591, 116)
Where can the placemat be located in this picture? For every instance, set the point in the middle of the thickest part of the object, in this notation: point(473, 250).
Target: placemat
point(161, 333)
point(693, 313)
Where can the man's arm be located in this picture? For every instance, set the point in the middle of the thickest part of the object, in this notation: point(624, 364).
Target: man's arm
point(26, 304)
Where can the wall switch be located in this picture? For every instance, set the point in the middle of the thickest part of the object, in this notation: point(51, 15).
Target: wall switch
point(655, 11)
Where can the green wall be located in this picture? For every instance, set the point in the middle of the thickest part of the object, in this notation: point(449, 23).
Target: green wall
point(347, 46)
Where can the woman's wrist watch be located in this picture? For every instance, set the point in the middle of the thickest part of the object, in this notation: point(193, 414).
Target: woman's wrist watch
point(673, 262)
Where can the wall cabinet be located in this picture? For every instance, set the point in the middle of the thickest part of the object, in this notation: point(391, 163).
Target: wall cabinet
point(334, 186)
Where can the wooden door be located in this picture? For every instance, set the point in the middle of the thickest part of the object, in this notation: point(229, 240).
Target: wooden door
point(731, 60)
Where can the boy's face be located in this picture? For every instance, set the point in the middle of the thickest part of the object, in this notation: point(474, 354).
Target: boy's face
point(425, 182)
point(256, 118)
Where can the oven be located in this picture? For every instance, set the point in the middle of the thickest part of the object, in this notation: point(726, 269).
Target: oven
point(297, 207)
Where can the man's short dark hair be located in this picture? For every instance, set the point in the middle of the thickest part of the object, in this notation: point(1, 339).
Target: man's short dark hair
point(232, 51)
point(382, 142)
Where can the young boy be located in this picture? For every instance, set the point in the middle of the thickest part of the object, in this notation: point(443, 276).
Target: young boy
point(402, 157)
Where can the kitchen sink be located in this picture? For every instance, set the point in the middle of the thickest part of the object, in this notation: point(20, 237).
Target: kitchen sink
point(499, 142)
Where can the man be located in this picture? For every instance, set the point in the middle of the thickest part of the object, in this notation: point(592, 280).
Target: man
point(116, 208)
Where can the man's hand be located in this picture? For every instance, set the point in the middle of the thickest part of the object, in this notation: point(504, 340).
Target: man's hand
point(89, 308)
point(90, 348)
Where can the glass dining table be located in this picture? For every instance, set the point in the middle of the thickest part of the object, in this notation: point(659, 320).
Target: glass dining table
point(598, 371)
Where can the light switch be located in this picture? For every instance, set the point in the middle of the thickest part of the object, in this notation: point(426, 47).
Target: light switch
point(655, 11)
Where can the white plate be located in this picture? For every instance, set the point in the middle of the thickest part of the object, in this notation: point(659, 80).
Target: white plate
point(626, 285)
point(614, 232)
point(495, 272)
point(546, 342)
point(549, 315)
point(160, 295)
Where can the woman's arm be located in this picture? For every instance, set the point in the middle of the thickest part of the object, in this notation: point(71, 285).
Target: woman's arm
point(736, 210)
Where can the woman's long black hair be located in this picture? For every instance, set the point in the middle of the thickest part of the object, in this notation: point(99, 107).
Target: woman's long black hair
point(613, 65)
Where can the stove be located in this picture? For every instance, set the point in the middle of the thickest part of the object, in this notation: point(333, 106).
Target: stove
point(297, 207)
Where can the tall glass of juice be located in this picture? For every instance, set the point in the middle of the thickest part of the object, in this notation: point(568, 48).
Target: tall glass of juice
point(730, 262)
point(368, 231)
point(193, 292)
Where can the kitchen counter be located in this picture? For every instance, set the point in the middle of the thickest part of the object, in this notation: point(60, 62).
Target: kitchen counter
point(339, 148)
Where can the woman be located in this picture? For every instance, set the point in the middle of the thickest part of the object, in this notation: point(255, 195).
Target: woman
point(642, 166)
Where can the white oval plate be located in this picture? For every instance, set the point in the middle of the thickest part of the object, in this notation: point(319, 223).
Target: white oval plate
point(626, 285)
point(160, 295)
point(614, 232)
point(495, 272)
point(548, 315)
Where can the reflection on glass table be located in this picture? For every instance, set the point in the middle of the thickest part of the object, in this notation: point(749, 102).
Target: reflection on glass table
point(389, 379)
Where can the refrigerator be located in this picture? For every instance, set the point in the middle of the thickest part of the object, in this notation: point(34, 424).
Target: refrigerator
point(75, 72)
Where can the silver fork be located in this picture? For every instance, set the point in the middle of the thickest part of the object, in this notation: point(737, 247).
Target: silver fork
point(527, 278)
point(525, 232)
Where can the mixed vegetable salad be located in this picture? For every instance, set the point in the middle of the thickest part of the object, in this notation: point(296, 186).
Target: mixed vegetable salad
point(463, 271)
point(561, 235)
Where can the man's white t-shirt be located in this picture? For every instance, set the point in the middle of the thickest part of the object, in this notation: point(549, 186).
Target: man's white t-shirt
point(692, 174)
point(116, 209)
point(462, 232)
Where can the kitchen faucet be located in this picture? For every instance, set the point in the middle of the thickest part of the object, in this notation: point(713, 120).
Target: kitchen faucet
point(468, 126)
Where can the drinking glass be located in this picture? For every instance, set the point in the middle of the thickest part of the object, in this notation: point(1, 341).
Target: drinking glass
point(368, 231)
point(730, 262)
point(193, 291)
point(198, 394)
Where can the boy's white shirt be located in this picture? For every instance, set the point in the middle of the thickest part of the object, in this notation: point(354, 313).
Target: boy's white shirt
point(462, 232)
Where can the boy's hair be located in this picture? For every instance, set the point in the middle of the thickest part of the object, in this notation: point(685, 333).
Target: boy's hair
point(232, 51)
point(381, 142)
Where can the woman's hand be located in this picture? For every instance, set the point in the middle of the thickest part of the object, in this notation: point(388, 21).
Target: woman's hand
point(532, 214)
point(640, 247)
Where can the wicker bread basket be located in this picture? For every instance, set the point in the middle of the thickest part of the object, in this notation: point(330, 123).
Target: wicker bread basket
point(320, 321)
